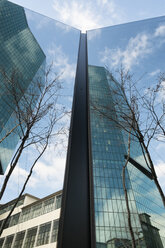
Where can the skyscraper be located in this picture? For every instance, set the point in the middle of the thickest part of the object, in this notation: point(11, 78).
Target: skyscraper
point(94, 212)
point(93, 188)
point(21, 56)
point(109, 147)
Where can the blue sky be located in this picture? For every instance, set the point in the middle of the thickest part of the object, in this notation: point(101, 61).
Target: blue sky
point(85, 15)
point(96, 13)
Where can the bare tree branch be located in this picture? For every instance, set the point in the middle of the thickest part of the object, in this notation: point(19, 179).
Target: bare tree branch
point(126, 194)
point(36, 111)
point(23, 188)
point(134, 111)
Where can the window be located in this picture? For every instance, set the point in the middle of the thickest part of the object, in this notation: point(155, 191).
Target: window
point(58, 201)
point(55, 231)
point(3, 209)
point(8, 242)
point(7, 223)
point(48, 205)
point(14, 219)
point(44, 233)
point(36, 210)
point(25, 215)
point(19, 240)
point(30, 238)
point(1, 242)
point(144, 226)
point(10, 207)
point(20, 202)
point(1, 221)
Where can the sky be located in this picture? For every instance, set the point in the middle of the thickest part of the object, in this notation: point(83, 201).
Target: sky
point(92, 14)
point(84, 15)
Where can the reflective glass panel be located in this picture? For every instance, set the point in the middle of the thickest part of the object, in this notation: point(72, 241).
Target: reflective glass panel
point(35, 49)
point(137, 48)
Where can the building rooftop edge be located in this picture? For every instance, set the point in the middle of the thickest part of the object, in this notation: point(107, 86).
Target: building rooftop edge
point(25, 8)
point(9, 202)
point(44, 198)
point(32, 196)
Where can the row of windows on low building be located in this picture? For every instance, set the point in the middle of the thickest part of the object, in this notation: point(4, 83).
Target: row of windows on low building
point(8, 207)
point(36, 236)
point(34, 211)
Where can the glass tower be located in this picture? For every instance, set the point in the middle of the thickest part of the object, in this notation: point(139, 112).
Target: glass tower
point(22, 57)
point(93, 212)
point(109, 147)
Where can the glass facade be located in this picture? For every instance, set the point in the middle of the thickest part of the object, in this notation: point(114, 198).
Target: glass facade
point(108, 150)
point(21, 56)
point(136, 47)
point(29, 44)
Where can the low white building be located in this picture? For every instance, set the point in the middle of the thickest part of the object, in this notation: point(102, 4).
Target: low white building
point(33, 223)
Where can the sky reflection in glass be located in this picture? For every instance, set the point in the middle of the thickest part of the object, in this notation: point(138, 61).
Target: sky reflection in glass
point(59, 44)
point(133, 45)
point(138, 47)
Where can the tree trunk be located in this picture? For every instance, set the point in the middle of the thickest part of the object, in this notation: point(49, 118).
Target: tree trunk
point(126, 195)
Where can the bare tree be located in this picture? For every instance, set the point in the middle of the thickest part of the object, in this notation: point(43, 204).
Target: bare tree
point(154, 103)
point(134, 111)
point(126, 193)
point(37, 118)
point(24, 186)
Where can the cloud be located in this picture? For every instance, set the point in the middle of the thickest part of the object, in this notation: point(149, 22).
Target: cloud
point(43, 22)
point(50, 175)
point(138, 47)
point(109, 7)
point(66, 28)
point(76, 14)
point(20, 175)
point(154, 73)
point(93, 34)
point(40, 21)
point(160, 171)
point(47, 177)
point(160, 31)
point(61, 62)
point(159, 100)
point(162, 91)
point(87, 15)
